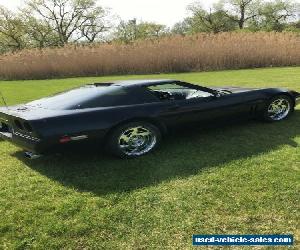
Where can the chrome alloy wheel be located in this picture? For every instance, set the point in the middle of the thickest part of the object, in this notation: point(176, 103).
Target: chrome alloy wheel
point(279, 109)
point(137, 141)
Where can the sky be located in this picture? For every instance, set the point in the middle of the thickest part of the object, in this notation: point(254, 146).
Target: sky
point(166, 12)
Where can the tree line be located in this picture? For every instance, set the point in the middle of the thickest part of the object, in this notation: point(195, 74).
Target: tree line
point(56, 23)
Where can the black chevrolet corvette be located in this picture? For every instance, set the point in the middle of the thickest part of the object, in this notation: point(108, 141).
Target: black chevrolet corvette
point(130, 117)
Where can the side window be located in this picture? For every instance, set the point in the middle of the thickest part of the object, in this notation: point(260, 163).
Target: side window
point(167, 86)
point(173, 91)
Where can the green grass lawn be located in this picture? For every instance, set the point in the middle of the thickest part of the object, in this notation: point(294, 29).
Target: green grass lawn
point(241, 179)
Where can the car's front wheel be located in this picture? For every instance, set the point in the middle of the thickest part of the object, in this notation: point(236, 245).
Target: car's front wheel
point(278, 108)
point(133, 139)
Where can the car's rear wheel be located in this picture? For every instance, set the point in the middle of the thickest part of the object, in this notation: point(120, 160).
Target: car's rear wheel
point(278, 108)
point(133, 139)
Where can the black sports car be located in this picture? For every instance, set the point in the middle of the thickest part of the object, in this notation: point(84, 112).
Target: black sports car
point(130, 117)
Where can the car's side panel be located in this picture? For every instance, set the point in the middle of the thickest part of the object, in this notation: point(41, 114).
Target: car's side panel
point(94, 123)
point(236, 105)
point(97, 122)
point(51, 125)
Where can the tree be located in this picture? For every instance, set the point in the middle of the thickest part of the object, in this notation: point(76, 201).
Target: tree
point(216, 20)
point(293, 27)
point(150, 30)
point(40, 33)
point(131, 31)
point(12, 31)
point(181, 28)
point(241, 11)
point(275, 15)
point(126, 31)
point(72, 20)
point(96, 25)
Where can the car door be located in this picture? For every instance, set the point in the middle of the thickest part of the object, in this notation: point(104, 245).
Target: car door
point(187, 111)
point(201, 104)
point(178, 110)
point(231, 106)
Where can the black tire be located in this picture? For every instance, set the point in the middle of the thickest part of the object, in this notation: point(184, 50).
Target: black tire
point(115, 142)
point(287, 106)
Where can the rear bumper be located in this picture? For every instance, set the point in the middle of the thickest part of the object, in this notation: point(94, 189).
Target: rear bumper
point(44, 146)
point(28, 143)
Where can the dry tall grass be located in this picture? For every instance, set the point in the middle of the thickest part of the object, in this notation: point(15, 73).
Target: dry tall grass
point(173, 54)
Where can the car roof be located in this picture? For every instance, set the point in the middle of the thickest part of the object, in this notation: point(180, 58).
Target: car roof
point(144, 82)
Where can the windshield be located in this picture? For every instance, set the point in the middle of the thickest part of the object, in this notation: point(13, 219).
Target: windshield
point(89, 96)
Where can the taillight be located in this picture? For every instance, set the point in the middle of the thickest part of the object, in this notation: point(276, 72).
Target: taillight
point(65, 139)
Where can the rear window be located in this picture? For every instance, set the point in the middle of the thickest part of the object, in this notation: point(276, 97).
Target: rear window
point(88, 97)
